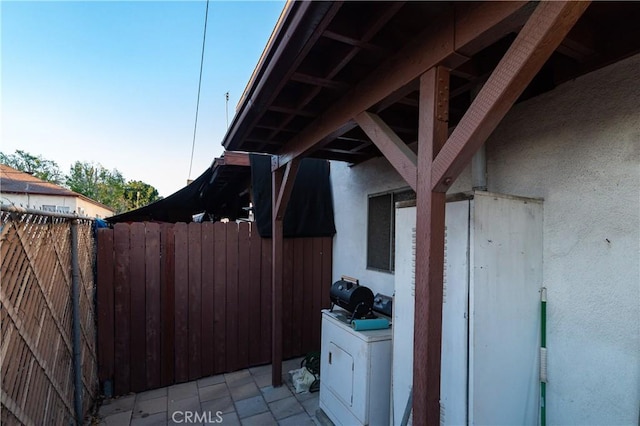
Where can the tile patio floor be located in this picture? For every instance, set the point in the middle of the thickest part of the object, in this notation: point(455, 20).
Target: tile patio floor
point(244, 397)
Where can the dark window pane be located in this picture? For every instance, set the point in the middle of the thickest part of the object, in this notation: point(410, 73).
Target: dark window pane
point(379, 232)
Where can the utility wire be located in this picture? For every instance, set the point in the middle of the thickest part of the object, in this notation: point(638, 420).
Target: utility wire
point(195, 126)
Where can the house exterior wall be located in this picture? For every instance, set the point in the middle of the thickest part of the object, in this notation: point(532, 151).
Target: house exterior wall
point(578, 147)
point(36, 201)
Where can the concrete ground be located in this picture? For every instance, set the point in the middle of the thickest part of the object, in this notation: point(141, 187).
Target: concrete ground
point(244, 397)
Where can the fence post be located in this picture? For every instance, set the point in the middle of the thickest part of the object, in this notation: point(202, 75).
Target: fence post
point(75, 296)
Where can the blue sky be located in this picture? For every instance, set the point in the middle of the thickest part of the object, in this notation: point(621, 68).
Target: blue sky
point(116, 82)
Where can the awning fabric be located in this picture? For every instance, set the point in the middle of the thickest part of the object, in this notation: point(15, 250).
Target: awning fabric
point(310, 209)
point(309, 212)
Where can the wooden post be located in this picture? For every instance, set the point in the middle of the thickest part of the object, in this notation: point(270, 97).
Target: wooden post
point(281, 184)
point(430, 211)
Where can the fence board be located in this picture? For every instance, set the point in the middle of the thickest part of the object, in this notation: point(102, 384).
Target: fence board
point(317, 292)
point(253, 297)
point(232, 297)
point(244, 291)
point(265, 295)
point(298, 315)
point(181, 318)
point(287, 297)
point(105, 267)
point(195, 297)
point(122, 310)
point(153, 304)
point(207, 299)
point(137, 285)
point(207, 302)
point(220, 297)
point(307, 302)
point(167, 299)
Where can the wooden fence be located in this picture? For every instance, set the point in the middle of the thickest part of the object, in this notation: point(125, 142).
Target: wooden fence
point(180, 302)
point(36, 299)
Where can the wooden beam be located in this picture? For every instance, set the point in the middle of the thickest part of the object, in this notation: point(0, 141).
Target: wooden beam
point(319, 81)
point(540, 36)
point(353, 41)
point(292, 111)
point(435, 46)
point(286, 187)
point(392, 147)
point(430, 211)
point(282, 181)
point(234, 158)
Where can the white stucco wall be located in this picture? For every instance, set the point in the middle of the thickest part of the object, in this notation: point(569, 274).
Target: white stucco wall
point(578, 147)
point(351, 188)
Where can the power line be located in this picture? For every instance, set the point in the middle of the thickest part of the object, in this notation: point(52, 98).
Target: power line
point(195, 126)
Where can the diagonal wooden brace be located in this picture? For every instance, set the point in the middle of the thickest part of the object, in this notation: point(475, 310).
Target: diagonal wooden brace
point(541, 35)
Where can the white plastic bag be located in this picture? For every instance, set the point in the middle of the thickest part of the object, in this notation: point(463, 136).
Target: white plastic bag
point(302, 379)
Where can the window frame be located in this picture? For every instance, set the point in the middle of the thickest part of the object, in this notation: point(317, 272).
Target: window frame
point(404, 193)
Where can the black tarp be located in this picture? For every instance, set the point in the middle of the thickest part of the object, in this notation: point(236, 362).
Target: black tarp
point(309, 212)
point(177, 207)
point(310, 209)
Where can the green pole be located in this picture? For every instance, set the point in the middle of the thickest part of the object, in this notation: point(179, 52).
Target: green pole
point(543, 357)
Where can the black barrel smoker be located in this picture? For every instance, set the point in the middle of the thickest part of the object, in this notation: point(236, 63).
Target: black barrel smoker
point(352, 297)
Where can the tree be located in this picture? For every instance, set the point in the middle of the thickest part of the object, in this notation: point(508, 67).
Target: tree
point(36, 165)
point(94, 181)
point(139, 194)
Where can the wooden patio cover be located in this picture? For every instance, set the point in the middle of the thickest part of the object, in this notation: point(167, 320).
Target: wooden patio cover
point(351, 81)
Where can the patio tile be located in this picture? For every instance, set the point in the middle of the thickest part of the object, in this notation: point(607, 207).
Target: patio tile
point(244, 391)
point(211, 380)
point(157, 419)
point(311, 405)
point(191, 404)
point(213, 392)
point(285, 408)
point(271, 394)
point(264, 419)
point(301, 419)
point(258, 371)
point(150, 406)
point(151, 394)
point(303, 396)
point(251, 406)
point(117, 419)
point(117, 405)
point(230, 419)
point(263, 380)
point(224, 405)
point(238, 378)
point(183, 391)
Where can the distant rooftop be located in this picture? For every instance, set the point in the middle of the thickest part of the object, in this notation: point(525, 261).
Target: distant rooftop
point(14, 181)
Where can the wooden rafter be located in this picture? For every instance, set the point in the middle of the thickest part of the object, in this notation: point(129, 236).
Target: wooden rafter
point(541, 35)
point(392, 147)
point(433, 47)
point(353, 41)
point(319, 81)
point(371, 31)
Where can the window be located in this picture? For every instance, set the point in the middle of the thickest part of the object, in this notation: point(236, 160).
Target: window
point(63, 209)
point(48, 208)
point(380, 228)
